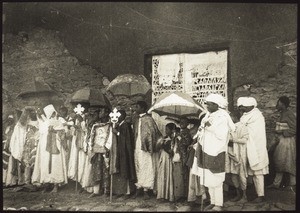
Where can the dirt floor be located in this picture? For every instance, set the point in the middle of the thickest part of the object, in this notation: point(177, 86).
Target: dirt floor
point(68, 200)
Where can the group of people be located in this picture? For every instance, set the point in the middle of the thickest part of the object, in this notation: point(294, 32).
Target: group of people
point(46, 148)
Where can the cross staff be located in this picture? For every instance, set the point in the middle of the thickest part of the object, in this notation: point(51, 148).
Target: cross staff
point(78, 110)
point(114, 116)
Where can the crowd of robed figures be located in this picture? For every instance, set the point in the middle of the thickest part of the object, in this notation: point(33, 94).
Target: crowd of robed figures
point(45, 148)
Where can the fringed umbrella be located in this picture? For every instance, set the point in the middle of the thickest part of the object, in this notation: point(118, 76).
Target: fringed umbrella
point(177, 104)
point(129, 85)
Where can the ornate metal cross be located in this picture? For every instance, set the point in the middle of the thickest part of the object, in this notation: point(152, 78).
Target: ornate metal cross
point(114, 115)
point(79, 109)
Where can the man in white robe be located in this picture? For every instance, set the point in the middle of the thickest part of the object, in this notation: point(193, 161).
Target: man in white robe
point(257, 153)
point(77, 155)
point(50, 166)
point(209, 161)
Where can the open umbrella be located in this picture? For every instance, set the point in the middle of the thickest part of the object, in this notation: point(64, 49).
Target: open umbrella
point(93, 97)
point(129, 85)
point(177, 104)
point(37, 88)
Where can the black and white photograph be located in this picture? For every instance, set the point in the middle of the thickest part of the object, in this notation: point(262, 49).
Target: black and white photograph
point(149, 106)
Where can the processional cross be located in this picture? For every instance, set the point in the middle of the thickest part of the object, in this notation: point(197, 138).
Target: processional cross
point(79, 109)
point(114, 116)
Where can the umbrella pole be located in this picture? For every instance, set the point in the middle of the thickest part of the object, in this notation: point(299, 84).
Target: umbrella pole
point(202, 200)
point(111, 177)
point(111, 182)
point(76, 184)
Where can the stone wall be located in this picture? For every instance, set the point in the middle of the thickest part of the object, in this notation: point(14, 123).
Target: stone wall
point(40, 53)
point(267, 91)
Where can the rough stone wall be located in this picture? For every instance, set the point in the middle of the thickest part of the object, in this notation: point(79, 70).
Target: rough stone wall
point(43, 55)
point(40, 53)
point(267, 91)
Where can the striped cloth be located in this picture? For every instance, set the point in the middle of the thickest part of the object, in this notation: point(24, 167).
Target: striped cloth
point(5, 156)
point(209, 160)
point(5, 146)
point(32, 157)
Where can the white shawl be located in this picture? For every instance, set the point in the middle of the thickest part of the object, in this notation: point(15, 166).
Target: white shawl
point(257, 144)
point(17, 141)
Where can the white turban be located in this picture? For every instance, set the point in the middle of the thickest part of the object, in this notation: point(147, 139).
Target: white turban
point(217, 99)
point(49, 110)
point(246, 101)
point(253, 101)
point(241, 101)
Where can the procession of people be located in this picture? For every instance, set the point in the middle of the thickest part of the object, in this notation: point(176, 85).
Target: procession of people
point(43, 149)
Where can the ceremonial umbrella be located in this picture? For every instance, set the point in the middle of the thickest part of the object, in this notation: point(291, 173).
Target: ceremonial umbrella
point(129, 85)
point(37, 93)
point(177, 104)
point(37, 88)
point(92, 97)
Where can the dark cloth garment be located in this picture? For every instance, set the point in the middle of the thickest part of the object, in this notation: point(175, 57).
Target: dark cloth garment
point(149, 134)
point(125, 152)
point(289, 118)
point(184, 140)
point(178, 181)
point(124, 160)
point(51, 143)
point(285, 152)
point(214, 163)
point(183, 143)
point(15, 165)
point(114, 163)
point(120, 185)
point(51, 147)
point(100, 172)
point(63, 139)
point(190, 158)
point(166, 146)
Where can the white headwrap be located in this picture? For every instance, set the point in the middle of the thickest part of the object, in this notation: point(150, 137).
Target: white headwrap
point(241, 101)
point(246, 101)
point(217, 99)
point(252, 101)
point(48, 110)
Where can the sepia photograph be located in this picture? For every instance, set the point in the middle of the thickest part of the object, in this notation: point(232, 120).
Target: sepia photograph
point(149, 106)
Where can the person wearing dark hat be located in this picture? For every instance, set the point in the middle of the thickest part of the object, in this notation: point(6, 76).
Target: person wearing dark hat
point(285, 152)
